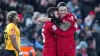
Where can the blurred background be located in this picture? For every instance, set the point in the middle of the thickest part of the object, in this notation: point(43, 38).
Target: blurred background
point(87, 36)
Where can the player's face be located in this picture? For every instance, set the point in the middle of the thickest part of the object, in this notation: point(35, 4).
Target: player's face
point(17, 19)
point(62, 11)
point(56, 14)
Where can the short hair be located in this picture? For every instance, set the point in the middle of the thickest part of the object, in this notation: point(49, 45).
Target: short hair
point(51, 10)
point(11, 15)
point(61, 4)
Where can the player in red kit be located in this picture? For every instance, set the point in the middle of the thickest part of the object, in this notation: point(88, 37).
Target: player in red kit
point(48, 34)
point(66, 45)
point(65, 33)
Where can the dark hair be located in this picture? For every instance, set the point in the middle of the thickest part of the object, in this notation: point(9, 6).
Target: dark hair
point(11, 15)
point(51, 10)
point(61, 4)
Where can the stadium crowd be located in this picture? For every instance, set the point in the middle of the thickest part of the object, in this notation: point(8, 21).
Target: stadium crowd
point(87, 12)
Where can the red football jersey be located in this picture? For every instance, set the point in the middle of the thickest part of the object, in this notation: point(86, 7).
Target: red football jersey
point(48, 35)
point(65, 39)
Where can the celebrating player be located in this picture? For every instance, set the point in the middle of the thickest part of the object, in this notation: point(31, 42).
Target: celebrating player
point(66, 45)
point(12, 35)
point(48, 34)
point(65, 39)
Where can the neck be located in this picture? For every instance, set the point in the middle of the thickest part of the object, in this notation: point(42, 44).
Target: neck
point(61, 16)
point(14, 23)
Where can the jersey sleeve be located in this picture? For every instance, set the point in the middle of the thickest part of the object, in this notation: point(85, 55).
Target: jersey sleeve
point(48, 26)
point(73, 19)
point(75, 22)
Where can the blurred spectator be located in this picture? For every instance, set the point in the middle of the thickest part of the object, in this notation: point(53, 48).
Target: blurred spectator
point(34, 18)
point(72, 5)
point(90, 18)
point(86, 6)
point(96, 35)
point(77, 41)
point(44, 4)
point(80, 23)
point(52, 2)
point(1, 37)
point(1, 43)
point(2, 20)
point(88, 33)
point(91, 50)
point(96, 27)
point(38, 53)
point(77, 11)
point(97, 10)
point(81, 49)
point(13, 3)
point(27, 14)
point(82, 35)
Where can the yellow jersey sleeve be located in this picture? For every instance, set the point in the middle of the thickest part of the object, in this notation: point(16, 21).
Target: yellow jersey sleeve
point(11, 30)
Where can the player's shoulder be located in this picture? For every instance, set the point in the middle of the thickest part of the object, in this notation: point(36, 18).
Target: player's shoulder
point(10, 25)
point(49, 23)
point(70, 14)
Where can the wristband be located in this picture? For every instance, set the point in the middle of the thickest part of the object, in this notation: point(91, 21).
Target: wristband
point(20, 53)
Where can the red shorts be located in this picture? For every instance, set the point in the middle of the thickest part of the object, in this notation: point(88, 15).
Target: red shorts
point(49, 52)
point(66, 52)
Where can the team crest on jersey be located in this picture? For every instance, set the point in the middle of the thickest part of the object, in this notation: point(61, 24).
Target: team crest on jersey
point(13, 30)
point(54, 27)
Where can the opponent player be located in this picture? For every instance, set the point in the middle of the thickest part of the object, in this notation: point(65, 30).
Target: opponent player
point(65, 39)
point(12, 35)
point(48, 34)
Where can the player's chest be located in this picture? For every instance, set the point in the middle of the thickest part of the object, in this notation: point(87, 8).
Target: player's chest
point(68, 19)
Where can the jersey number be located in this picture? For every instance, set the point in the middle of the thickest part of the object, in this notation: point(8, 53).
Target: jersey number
point(5, 36)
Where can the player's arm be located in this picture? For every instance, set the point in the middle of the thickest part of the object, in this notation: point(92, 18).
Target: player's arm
point(14, 42)
point(46, 19)
point(63, 26)
point(66, 25)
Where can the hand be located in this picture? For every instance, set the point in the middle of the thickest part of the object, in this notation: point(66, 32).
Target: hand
point(43, 19)
point(20, 54)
